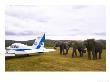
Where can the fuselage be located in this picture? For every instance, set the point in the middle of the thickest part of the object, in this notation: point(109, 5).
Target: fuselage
point(18, 48)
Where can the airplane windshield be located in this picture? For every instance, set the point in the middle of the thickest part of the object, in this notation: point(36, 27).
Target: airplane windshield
point(14, 46)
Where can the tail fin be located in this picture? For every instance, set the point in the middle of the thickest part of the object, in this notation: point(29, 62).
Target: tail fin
point(39, 42)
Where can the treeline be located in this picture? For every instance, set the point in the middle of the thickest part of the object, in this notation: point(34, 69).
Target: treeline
point(9, 42)
point(48, 43)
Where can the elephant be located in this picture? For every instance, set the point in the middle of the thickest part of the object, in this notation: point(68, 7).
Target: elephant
point(63, 46)
point(78, 46)
point(93, 47)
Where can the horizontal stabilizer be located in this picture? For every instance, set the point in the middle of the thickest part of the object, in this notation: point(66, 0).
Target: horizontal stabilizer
point(49, 50)
point(6, 54)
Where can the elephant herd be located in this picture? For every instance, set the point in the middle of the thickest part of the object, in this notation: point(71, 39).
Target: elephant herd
point(91, 46)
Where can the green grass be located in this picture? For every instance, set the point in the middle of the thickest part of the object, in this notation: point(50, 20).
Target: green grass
point(53, 61)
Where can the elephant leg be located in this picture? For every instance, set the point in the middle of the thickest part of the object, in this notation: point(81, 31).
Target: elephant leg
point(60, 50)
point(94, 53)
point(100, 55)
point(79, 52)
point(94, 56)
point(72, 54)
point(66, 51)
point(75, 53)
point(63, 51)
point(89, 55)
point(82, 53)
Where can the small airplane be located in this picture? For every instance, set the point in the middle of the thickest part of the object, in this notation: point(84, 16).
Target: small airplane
point(21, 49)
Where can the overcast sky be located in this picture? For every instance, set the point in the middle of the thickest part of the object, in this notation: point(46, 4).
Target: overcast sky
point(58, 21)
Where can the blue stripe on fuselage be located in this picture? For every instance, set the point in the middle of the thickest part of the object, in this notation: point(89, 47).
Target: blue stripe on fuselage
point(21, 49)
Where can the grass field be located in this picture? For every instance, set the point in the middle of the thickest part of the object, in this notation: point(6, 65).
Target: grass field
point(53, 61)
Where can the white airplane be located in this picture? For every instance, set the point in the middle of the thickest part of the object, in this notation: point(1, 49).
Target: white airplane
point(21, 49)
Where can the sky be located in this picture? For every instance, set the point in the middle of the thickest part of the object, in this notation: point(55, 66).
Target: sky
point(58, 22)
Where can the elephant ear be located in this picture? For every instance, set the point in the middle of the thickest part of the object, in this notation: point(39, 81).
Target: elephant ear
point(98, 44)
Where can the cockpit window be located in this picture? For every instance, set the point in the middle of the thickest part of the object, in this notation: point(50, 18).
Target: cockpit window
point(14, 46)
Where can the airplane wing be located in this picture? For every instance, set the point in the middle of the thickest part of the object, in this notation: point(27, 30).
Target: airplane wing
point(39, 50)
point(49, 50)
